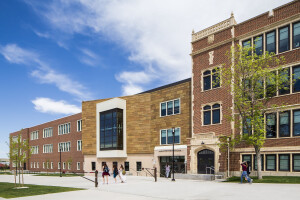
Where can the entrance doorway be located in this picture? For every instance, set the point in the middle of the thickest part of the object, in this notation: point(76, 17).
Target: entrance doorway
point(206, 162)
point(179, 165)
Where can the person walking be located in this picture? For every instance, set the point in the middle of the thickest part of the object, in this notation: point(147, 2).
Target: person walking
point(167, 170)
point(244, 173)
point(115, 173)
point(122, 174)
point(105, 173)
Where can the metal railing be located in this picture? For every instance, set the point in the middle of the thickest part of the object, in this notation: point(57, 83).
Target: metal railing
point(211, 168)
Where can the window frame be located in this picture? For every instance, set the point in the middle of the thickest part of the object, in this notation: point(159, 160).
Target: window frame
point(64, 128)
point(166, 103)
point(78, 165)
point(293, 123)
point(141, 166)
point(266, 40)
point(293, 162)
point(211, 74)
point(289, 38)
point(211, 113)
point(293, 47)
point(79, 125)
point(79, 147)
point(289, 161)
point(167, 135)
point(266, 157)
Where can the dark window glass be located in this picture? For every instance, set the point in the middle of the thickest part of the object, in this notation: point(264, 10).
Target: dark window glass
point(177, 136)
point(296, 162)
point(296, 123)
point(216, 113)
point(207, 117)
point(247, 158)
point(170, 136)
point(215, 79)
point(176, 106)
point(207, 82)
point(111, 130)
point(170, 107)
point(271, 85)
point(284, 39)
point(262, 162)
point(246, 44)
point(163, 110)
point(284, 124)
point(163, 137)
point(115, 164)
point(93, 166)
point(126, 166)
point(285, 73)
point(296, 35)
point(271, 125)
point(247, 126)
point(284, 162)
point(296, 79)
point(138, 166)
point(271, 42)
point(258, 42)
point(271, 162)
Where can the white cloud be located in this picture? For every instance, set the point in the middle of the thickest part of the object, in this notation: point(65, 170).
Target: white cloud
point(46, 105)
point(42, 35)
point(155, 33)
point(43, 72)
point(89, 58)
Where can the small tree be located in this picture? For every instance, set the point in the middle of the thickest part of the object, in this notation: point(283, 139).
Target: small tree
point(253, 81)
point(69, 161)
point(47, 163)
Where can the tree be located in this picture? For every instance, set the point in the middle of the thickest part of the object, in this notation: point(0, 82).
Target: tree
point(253, 80)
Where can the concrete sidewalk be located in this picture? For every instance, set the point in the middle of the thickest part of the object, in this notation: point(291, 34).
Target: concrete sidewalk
point(145, 188)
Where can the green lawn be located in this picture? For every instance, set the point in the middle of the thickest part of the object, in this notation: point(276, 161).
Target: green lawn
point(57, 174)
point(269, 179)
point(7, 190)
point(5, 173)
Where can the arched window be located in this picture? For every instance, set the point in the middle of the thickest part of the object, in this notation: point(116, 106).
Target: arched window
point(211, 79)
point(211, 114)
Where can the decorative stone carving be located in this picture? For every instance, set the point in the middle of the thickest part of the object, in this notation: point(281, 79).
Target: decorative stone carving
point(211, 39)
point(211, 57)
point(271, 13)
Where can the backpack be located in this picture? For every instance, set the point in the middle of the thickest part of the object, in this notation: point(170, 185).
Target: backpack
point(123, 172)
point(106, 169)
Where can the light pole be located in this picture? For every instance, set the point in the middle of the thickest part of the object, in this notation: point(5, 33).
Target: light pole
point(173, 132)
point(60, 159)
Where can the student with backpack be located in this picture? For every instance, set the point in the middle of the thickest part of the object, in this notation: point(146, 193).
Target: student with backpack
point(115, 173)
point(105, 173)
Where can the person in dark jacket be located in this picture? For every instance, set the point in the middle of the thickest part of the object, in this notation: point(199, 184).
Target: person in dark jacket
point(115, 173)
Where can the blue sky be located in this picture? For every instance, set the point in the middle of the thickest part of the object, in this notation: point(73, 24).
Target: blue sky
point(55, 54)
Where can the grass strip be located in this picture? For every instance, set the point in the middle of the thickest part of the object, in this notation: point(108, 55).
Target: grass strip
point(269, 179)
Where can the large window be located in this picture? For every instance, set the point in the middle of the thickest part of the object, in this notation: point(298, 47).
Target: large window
point(64, 128)
point(296, 78)
point(166, 136)
point(47, 148)
point(284, 124)
point(285, 74)
point(34, 149)
point(111, 129)
point(64, 146)
point(284, 162)
point(284, 39)
point(262, 162)
point(170, 107)
point(296, 162)
point(271, 42)
point(247, 127)
point(247, 158)
point(34, 135)
point(258, 43)
point(271, 125)
point(296, 123)
point(211, 79)
point(212, 114)
point(47, 132)
point(79, 125)
point(271, 162)
point(296, 35)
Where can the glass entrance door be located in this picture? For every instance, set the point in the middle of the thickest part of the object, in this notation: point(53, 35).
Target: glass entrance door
point(179, 165)
point(206, 162)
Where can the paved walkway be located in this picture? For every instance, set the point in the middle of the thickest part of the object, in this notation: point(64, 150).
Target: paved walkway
point(144, 188)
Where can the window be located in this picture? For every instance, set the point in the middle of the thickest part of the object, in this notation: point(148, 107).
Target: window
point(211, 79)
point(285, 74)
point(296, 123)
point(47, 164)
point(284, 124)
point(47, 148)
point(58, 165)
point(79, 145)
point(170, 108)
point(51, 165)
point(296, 78)
point(64, 128)
point(115, 164)
point(43, 165)
point(93, 166)
point(271, 125)
point(296, 35)
point(64, 165)
point(35, 149)
point(47, 132)
point(69, 166)
point(37, 165)
point(31, 165)
point(284, 39)
point(247, 158)
point(211, 114)
point(262, 162)
point(111, 130)
point(126, 166)
point(79, 125)
point(34, 165)
point(138, 166)
point(271, 162)
point(78, 165)
point(34, 135)
point(64, 146)
point(247, 44)
point(284, 162)
point(166, 136)
point(247, 126)
point(271, 89)
point(258, 42)
point(271, 42)
point(296, 162)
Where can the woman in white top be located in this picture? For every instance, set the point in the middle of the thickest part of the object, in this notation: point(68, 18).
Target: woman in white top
point(122, 174)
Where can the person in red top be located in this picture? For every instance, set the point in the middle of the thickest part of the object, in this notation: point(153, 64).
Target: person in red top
point(244, 173)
